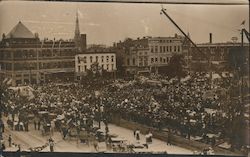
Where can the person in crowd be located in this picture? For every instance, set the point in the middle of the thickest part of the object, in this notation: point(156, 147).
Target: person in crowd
point(51, 144)
point(38, 124)
point(150, 137)
point(10, 140)
point(96, 145)
point(35, 124)
point(52, 127)
point(169, 142)
point(65, 132)
point(2, 127)
point(178, 105)
point(137, 135)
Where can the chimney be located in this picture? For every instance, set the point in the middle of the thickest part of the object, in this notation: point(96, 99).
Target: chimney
point(210, 38)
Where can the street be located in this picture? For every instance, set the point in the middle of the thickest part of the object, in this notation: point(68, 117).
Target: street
point(33, 138)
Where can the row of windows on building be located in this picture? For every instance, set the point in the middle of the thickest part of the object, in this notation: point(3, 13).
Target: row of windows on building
point(160, 60)
point(25, 54)
point(144, 62)
point(96, 58)
point(143, 53)
point(108, 67)
point(162, 49)
point(50, 65)
point(163, 41)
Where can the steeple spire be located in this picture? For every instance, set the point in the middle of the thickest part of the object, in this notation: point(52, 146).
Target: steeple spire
point(77, 29)
point(79, 39)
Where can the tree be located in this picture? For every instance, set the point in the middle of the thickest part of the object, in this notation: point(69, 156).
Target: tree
point(237, 59)
point(177, 66)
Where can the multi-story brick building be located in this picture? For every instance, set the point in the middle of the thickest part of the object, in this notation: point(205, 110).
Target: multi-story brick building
point(149, 53)
point(215, 56)
point(24, 58)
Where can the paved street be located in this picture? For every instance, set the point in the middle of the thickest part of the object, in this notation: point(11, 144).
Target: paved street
point(34, 138)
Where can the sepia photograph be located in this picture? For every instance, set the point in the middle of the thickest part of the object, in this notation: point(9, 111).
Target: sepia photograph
point(124, 77)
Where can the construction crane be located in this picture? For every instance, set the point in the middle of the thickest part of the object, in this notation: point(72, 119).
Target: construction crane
point(163, 11)
point(247, 34)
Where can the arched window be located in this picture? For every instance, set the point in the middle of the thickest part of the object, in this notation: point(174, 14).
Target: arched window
point(102, 58)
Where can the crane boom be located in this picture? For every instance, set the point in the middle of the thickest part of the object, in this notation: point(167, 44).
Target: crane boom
point(177, 26)
point(244, 31)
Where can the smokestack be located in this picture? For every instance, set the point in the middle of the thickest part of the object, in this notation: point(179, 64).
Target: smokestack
point(210, 38)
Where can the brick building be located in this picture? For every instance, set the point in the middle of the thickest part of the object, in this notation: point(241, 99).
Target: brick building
point(149, 53)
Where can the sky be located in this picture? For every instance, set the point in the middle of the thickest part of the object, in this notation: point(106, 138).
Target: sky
point(105, 23)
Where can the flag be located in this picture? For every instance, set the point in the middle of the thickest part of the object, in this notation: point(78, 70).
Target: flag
point(243, 22)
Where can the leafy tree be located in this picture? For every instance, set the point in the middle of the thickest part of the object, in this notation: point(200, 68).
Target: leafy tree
point(177, 66)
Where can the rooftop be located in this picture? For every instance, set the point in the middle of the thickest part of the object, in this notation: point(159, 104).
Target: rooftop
point(20, 31)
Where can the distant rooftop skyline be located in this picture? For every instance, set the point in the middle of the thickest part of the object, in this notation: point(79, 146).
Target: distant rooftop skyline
point(107, 23)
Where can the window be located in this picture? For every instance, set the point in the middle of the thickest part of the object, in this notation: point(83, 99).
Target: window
point(152, 60)
point(107, 58)
point(91, 59)
point(84, 59)
point(102, 58)
point(133, 61)
point(102, 66)
point(174, 48)
point(79, 68)
point(96, 58)
point(79, 60)
point(107, 67)
point(160, 49)
point(112, 58)
point(128, 61)
point(152, 49)
point(179, 49)
point(167, 48)
point(164, 48)
point(170, 48)
point(156, 59)
point(112, 66)
point(156, 49)
point(160, 59)
point(85, 67)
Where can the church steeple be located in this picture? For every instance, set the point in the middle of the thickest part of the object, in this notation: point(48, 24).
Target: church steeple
point(79, 39)
point(77, 29)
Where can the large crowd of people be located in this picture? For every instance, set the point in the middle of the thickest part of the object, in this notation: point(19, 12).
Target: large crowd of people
point(190, 107)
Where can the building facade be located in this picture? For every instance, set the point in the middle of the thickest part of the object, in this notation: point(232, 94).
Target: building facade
point(25, 59)
point(149, 53)
point(94, 61)
point(218, 55)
